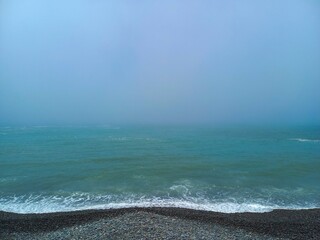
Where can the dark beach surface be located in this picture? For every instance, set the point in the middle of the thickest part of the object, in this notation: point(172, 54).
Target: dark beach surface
point(161, 223)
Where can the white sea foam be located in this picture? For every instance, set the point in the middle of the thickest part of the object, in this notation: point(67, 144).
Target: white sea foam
point(83, 201)
point(180, 188)
point(305, 140)
point(8, 179)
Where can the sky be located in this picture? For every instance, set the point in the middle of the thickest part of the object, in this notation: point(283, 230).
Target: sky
point(159, 62)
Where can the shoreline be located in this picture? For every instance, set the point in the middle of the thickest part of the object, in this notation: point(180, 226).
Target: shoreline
point(291, 224)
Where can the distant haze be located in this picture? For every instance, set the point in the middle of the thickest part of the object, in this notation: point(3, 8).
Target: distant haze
point(159, 62)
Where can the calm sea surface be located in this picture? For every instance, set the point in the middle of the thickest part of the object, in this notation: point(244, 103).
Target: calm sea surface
point(48, 169)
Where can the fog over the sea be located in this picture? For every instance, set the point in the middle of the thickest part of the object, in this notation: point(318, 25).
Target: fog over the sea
point(159, 62)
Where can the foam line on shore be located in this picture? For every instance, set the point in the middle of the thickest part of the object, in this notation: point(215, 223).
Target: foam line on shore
point(38, 204)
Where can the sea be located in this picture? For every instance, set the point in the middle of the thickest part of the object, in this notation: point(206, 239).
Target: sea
point(224, 169)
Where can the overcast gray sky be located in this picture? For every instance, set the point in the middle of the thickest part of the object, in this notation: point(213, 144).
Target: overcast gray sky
point(179, 62)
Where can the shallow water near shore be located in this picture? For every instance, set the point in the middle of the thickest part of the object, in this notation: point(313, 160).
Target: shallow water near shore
point(51, 169)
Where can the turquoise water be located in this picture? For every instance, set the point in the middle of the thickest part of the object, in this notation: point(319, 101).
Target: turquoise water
point(48, 169)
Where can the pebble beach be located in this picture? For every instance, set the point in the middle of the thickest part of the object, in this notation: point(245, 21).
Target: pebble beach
point(161, 223)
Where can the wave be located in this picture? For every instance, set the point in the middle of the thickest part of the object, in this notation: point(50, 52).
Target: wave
point(128, 139)
point(305, 140)
point(8, 179)
point(84, 201)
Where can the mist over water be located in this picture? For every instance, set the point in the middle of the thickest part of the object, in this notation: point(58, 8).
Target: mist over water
point(159, 62)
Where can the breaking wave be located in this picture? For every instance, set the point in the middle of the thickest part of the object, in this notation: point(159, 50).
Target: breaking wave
point(306, 140)
point(85, 201)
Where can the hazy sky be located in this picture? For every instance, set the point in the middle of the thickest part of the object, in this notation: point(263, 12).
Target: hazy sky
point(186, 61)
